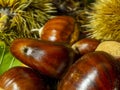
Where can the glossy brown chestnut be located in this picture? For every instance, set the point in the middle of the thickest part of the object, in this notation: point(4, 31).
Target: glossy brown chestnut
point(60, 29)
point(49, 58)
point(85, 45)
point(93, 71)
point(22, 78)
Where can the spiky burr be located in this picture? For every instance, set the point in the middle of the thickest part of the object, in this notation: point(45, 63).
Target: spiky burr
point(104, 20)
point(19, 17)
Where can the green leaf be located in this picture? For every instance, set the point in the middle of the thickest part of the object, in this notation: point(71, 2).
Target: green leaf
point(7, 61)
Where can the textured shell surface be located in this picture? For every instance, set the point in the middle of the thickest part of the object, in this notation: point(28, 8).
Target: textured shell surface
point(104, 20)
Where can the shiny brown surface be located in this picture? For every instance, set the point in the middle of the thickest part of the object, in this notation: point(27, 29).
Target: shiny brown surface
point(22, 78)
point(59, 29)
point(94, 71)
point(49, 58)
point(85, 45)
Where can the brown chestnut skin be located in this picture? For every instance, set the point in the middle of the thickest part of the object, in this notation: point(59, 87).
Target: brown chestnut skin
point(60, 29)
point(85, 45)
point(93, 71)
point(51, 59)
point(22, 78)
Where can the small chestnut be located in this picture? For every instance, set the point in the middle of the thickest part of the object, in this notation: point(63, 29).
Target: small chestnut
point(93, 71)
point(60, 29)
point(85, 45)
point(50, 58)
point(22, 78)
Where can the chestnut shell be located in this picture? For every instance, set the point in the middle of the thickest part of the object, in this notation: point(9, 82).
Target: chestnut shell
point(85, 45)
point(22, 78)
point(60, 29)
point(51, 59)
point(93, 71)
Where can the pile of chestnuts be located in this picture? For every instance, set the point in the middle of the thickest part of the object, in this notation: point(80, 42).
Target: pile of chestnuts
point(59, 60)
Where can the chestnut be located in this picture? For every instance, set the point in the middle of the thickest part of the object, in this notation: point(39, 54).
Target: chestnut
point(50, 58)
point(85, 45)
point(22, 78)
point(60, 29)
point(93, 71)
